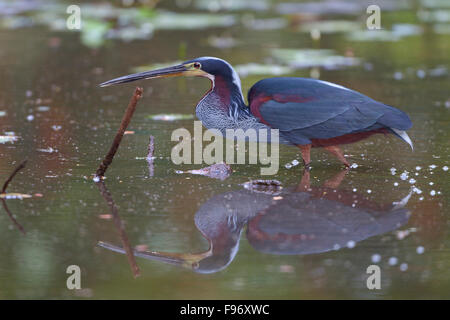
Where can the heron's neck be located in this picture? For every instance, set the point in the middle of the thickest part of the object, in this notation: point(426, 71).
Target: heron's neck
point(223, 105)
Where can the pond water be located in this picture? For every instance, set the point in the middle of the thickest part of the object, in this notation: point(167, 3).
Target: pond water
point(212, 238)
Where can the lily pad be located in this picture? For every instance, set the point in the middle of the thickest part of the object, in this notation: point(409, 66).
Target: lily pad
point(170, 117)
point(191, 21)
point(8, 138)
point(440, 16)
point(232, 5)
point(306, 58)
point(333, 7)
point(330, 26)
point(265, 24)
point(245, 70)
point(398, 32)
point(435, 4)
point(13, 195)
point(222, 42)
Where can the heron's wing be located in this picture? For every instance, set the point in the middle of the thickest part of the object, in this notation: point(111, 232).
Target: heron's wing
point(307, 109)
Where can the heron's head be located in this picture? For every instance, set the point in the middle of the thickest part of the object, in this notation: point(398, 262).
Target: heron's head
point(208, 67)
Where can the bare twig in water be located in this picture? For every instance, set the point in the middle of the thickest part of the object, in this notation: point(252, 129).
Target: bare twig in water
point(151, 150)
point(5, 186)
point(120, 228)
point(19, 167)
point(118, 138)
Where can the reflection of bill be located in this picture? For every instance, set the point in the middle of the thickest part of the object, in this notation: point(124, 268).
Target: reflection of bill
point(306, 220)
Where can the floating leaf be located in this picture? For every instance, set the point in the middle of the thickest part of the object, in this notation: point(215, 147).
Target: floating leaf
point(13, 195)
point(232, 5)
point(265, 24)
point(332, 7)
point(261, 69)
point(305, 58)
point(434, 15)
point(330, 26)
point(142, 32)
point(170, 117)
point(435, 4)
point(43, 108)
point(47, 150)
point(8, 138)
point(398, 32)
point(222, 42)
point(190, 21)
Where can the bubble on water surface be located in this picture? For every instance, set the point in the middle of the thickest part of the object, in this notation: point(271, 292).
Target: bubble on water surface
point(392, 261)
point(376, 258)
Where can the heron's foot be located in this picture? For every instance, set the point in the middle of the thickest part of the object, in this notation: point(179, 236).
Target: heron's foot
point(337, 152)
point(307, 165)
point(306, 154)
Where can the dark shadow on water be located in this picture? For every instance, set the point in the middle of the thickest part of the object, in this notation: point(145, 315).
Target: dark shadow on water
point(297, 221)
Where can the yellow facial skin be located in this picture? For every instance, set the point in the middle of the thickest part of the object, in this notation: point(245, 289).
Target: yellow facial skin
point(193, 71)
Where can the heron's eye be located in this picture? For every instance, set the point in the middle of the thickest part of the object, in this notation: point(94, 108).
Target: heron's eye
point(197, 65)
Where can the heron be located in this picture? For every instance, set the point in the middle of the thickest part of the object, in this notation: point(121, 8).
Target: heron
point(308, 113)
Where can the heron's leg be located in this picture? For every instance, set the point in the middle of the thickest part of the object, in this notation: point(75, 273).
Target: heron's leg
point(305, 149)
point(336, 151)
point(335, 181)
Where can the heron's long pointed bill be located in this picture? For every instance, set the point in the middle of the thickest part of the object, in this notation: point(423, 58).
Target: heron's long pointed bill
point(174, 71)
point(189, 260)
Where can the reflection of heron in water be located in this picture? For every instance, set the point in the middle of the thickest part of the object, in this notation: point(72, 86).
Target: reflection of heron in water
point(302, 221)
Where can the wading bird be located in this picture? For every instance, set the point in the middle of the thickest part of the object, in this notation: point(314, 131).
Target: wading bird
point(307, 112)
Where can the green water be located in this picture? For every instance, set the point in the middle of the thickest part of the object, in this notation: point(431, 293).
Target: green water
point(306, 245)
